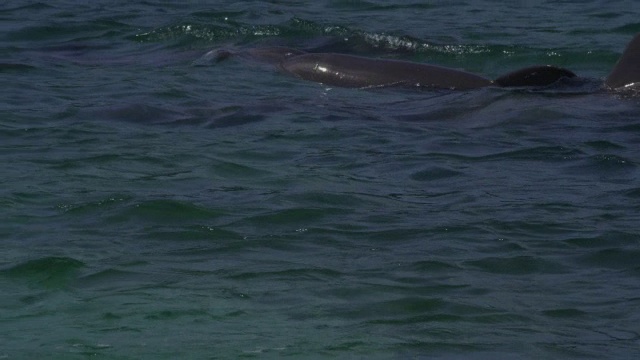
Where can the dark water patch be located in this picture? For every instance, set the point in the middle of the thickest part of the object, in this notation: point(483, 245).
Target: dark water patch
point(604, 145)
point(632, 193)
point(613, 258)
point(433, 266)
point(68, 31)
point(630, 29)
point(219, 15)
point(73, 52)
point(556, 207)
point(503, 247)
point(501, 319)
point(406, 306)
point(293, 216)
point(508, 229)
point(235, 170)
point(606, 15)
point(385, 231)
point(141, 113)
point(610, 239)
point(310, 274)
point(633, 128)
point(134, 282)
point(16, 68)
point(209, 234)
point(346, 346)
point(33, 6)
point(85, 208)
point(564, 313)
point(518, 265)
point(116, 279)
point(237, 119)
point(49, 272)
point(421, 319)
point(111, 316)
point(434, 174)
point(605, 166)
point(209, 117)
point(541, 153)
point(165, 315)
point(538, 153)
point(318, 199)
point(165, 212)
point(609, 162)
point(120, 166)
point(372, 6)
point(85, 349)
point(391, 309)
point(34, 299)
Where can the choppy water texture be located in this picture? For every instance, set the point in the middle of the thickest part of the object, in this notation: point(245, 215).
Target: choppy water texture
point(156, 204)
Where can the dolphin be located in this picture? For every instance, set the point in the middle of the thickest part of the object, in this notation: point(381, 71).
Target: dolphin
point(355, 71)
point(352, 71)
point(626, 72)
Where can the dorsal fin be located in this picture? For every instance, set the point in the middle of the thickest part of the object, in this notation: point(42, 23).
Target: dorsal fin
point(627, 69)
point(534, 76)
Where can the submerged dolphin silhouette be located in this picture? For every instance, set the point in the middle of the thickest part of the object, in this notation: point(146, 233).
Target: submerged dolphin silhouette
point(361, 72)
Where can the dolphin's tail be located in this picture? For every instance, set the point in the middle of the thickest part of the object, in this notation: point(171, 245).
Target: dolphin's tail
point(627, 71)
point(534, 76)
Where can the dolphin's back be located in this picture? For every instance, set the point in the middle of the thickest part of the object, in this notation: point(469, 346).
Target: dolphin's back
point(355, 71)
point(627, 71)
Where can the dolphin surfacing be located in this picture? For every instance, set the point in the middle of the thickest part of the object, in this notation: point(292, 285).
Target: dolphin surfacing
point(361, 72)
point(355, 71)
point(626, 72)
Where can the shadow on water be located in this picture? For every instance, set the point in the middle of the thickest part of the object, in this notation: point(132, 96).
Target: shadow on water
point(203, 116)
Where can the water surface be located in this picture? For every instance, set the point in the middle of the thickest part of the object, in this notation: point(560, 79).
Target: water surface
point(157, 204)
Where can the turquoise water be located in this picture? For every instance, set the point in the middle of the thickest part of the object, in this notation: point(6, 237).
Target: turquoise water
point(155, 204)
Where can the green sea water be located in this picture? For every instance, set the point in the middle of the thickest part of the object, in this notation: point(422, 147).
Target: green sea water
point(157, 204)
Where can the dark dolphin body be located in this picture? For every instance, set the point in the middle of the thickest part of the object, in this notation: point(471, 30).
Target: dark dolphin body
point(626, 73)
point(355, 71)
point(361, 72)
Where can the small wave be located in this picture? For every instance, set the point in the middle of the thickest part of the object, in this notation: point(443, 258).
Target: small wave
point(68, 32)
point(165, 211)
point(564, 313)
point(35, 6)
point(88, 207)
point(294, 217)
point(539, 153)
point(335, 35)
point(606, 166)
point(435, 173)
point(313, 274)
point(630, 29)
point(518, 265)
point(200, 32)
point(50, 272)
point(141, 113)
point(613, 258)
point(15, 67)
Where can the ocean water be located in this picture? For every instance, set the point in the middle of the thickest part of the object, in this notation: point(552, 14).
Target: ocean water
point(156, 204)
